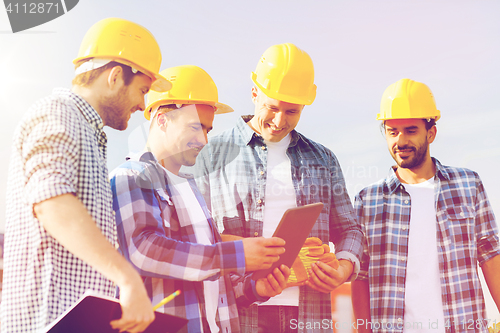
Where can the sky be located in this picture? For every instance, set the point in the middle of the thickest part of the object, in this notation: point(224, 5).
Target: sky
point(358, 49)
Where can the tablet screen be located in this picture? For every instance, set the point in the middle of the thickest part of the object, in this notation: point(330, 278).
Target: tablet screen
point(294, 227)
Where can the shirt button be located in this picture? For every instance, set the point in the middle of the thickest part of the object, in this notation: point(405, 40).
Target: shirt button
point(462, 214)
point(406, 201)
point(263, 147)
point(262, 172)
point(259, 201)
point(402, 187)
point(400, 320)
point(256, 234)
point(404, 228)
point(401, 289)
point(114, 213)
point(402, 259)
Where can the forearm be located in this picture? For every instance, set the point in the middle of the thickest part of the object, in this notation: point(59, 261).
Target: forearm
point(346, 233)
point(360, 294)
point(155, 254)
point(491, 272)
point(67, 220)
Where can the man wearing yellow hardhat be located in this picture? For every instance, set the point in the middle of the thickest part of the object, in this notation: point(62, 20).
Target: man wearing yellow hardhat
point(60, 232)
point(427, 228)
point(255, 171)
point(164, 226)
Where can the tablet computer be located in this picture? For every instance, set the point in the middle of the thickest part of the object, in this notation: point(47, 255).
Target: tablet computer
point(294, 227)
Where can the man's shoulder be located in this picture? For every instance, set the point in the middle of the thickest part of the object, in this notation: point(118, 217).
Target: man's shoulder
point(374, 190)
point(458, 172)
point(51, 112)
point(228, 134)
point(53, 105)
point(225, 145)
point(135, 166)
point(308, 145)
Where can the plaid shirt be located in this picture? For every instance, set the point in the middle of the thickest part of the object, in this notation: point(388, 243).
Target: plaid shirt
point(236, 162)
point(59, 147)
point(466, 235)
point(165, 252)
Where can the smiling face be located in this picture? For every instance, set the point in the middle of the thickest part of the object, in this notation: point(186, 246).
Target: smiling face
point(184, 134)
point(408, 141)
point(273, 119)
point(125, 100)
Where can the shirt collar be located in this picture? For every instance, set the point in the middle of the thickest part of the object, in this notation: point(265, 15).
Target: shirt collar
point(392, 181)
point(88, 112)
point(149, 157)
point(247, 133)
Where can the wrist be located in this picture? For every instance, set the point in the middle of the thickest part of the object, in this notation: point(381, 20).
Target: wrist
point(347, 268)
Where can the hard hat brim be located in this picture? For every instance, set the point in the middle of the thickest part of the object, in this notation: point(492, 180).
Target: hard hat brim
point(382, 117)
point(286, 98)
point(160, 84)
point(220, 107)
point(223, 108)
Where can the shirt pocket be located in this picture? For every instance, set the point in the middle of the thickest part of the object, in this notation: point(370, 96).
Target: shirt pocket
point(315, 184)
point(461, 225)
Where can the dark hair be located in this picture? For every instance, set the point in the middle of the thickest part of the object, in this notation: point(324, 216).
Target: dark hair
point(429, 123)
point(87, 78)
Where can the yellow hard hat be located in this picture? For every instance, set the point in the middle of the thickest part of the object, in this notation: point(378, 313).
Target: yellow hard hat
point(407, 99)
point(126, 42)
point(191, 85)
point(286, 73)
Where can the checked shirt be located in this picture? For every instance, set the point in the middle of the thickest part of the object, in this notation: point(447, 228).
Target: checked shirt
point(159, 240)
point(467, 235)
point(58, 148)
point(231, 172)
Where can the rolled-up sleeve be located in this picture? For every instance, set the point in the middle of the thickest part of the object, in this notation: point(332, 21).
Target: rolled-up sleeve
point(151, 241)
point(488, 245)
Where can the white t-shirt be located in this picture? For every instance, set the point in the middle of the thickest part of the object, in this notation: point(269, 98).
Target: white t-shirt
point(279, 196)
point(423, 303)
point(196, 217)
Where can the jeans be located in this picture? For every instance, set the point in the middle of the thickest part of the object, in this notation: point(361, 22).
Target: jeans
point(276, 318)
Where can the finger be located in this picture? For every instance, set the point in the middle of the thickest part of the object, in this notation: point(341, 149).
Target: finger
point(272, 280)
point(275, 250)
point(315, 287)
point(319, 277)
point(275, 241)
point(122, 325)
point(286, 271)
point(264, 285)
point(326, 270)
point(130, 325)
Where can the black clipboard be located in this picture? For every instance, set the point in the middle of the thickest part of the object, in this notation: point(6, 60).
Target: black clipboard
point(93, 312)
point(294, 227)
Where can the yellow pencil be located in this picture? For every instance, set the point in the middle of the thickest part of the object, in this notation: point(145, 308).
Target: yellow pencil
point(167, 299)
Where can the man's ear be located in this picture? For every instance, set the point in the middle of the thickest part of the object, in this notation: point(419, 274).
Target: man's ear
point(255, 93)
point(431, 134)
point(161, 120)
point(115, 76)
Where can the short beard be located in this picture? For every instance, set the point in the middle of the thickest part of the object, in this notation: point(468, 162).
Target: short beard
point(112, 110)
point(414, 162)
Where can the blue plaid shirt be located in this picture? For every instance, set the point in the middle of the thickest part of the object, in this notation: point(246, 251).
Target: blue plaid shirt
point(231, 173)
point(466, 235)
point(165, 252)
